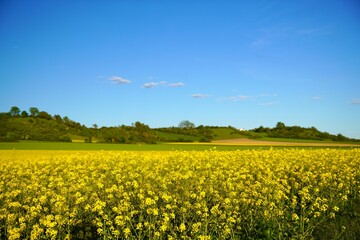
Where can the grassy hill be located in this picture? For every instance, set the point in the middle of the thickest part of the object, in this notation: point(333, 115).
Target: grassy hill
point(39, 129)
point(41, 126)
point(222, 133)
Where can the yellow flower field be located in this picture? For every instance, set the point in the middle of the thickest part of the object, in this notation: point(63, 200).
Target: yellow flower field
point(247, 194)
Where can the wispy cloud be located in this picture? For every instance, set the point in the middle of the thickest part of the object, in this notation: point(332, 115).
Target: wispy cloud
point(317, 98)
point(166, 84)
point(247, 97)
point(356, 101)
point(260, 42)
point(267, 95)
point(199, 95)
point(269, 103)
point(263, 38)
point(236, 98)
point(178, 84)
point(153, 84)
point(313, 31)
point(119, 80)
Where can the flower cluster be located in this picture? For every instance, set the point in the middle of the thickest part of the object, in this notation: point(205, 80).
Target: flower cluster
point(280, 193)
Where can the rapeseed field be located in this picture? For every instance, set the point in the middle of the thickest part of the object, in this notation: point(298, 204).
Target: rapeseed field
point(247, 194)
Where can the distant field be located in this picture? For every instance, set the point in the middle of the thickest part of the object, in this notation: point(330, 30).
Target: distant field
point(272, 139)
point(223, 145)
point(115, 147)
point(283, 142)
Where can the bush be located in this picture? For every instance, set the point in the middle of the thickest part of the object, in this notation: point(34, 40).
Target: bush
point(5, 139)
point(65, 138)
point(204, 139)
point(10, 137)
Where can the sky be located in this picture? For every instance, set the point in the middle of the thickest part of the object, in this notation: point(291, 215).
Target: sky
point(218, 63)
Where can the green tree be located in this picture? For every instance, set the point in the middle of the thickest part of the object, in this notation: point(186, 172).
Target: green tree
point(186, 124)
point(14, 111)
point(66, 120)
point(44, 115)
point(58, 118)
point(34, 112)
point(143, 133)
point(205, 133)
point(280, 125)
point(24, 114)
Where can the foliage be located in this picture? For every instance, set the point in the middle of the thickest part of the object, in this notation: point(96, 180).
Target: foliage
point(34, 112)
point(24, 114)
point(139, 132)
point(41, 126)
point(186, 124)
point(296, 132)
point(14, 111)
point(65, 138)
point(263, 194)
point(186, 128)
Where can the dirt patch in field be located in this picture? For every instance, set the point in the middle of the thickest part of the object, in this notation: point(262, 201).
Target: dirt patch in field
point(245, 141)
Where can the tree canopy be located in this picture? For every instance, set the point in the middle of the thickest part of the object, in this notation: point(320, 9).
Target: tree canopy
point(186, 124)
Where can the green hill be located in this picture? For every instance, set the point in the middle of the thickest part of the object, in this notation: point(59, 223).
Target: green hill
point(41, 126)
point(222, 133)
point(297, 132)
point(38, 128)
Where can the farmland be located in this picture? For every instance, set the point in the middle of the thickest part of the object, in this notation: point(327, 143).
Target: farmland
point(250, 193)
point(33, 145)
point(225, 144)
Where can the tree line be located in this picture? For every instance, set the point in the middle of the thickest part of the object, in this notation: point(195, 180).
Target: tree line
point(39, 125)
point(297, 132)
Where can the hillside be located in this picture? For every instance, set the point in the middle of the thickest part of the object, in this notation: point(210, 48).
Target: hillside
point(297, 132)
point(38, 125)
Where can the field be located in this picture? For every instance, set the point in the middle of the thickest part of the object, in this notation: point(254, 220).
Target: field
point(127, 147)
point(277, 193)
point(283, 142)
point(32, 145)
point(228, 144)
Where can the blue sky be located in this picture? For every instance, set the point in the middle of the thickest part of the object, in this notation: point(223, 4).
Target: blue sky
point(238, 63)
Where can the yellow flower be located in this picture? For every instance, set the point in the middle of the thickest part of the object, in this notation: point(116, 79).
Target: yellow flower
point(127, 231)
point(294, 217)
point(182, 227)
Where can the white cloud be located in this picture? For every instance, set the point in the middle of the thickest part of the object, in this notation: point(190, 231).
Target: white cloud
point(119, 80)
point(178, 84)
point(237, 98)
point(356, 101)
point(155, 84)
point(199, 95)
point(150, 85)
point(268, 103)
point(317, 98)
point(246, 97)
point(242, 98)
